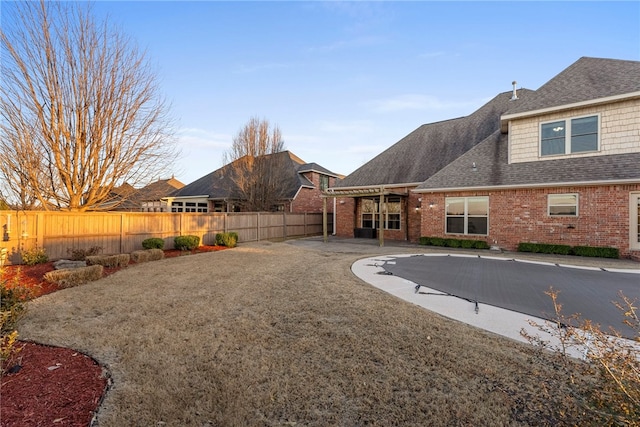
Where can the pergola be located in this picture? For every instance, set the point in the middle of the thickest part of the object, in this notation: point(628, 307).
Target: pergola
point(380, 192)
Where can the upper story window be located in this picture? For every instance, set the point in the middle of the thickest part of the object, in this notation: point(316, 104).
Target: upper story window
point(569, 136)
point(324, 182)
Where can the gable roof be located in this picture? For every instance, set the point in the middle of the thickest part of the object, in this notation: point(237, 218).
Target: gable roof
point(158, 189)
point(220, 183)
point(493, 171)
point(432, 146)
point(585, 81)
point(314, 167)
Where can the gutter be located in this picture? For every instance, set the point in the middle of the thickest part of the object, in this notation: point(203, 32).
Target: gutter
point(538, 185)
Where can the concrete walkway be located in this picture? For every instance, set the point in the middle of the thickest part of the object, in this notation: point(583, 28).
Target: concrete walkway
point(387, 268)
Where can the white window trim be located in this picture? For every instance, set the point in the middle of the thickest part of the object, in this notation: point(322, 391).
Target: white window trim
point(385, 215)
point(549, 196)
point(567, 138)
point(466, 216)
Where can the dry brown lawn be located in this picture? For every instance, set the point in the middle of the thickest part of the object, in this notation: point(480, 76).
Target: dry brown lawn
point(272, 334)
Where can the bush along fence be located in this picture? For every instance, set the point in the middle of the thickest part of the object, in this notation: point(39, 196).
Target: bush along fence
point(123, 232)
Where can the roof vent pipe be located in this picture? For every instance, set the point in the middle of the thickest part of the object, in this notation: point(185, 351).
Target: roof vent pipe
point(515, 95)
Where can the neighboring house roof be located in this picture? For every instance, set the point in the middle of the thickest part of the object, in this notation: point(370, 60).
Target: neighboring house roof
point(220, 184)
point(493, 171)
point(431, 147)
point(314, 167)
point(158, 189)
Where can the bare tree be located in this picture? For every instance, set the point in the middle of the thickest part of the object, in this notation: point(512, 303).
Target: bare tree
point(256, 169)
point(80, 111)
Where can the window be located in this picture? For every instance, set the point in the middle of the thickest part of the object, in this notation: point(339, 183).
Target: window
point(562, 204)
point(467, 215)
point(569, 136)
point(391, 213)
point(324, 182)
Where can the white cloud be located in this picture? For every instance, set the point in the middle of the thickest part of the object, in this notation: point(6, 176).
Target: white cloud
point(201, 138)
point(413, 102)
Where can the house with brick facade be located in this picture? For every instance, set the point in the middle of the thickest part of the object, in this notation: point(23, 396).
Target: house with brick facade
point(299, 187)
point(557, 165)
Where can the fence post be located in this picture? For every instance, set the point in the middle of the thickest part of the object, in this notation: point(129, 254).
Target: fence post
point(258, 225)
point(122, 235)
point(284, 227)
point(40, 229)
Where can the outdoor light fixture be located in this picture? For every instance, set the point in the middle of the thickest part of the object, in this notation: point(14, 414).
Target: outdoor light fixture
point(432, 205)
point(474, 167)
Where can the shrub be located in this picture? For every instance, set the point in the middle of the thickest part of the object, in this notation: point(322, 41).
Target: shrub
point(186, 243)
point(81, 254)
point(452, 243)
point(612, 363)
point(109, 261)
point(437, 241)
point(34, 256)
point(481, 244)
point(468, 244)
point(147, 255)
point(229, 239)
point(591, 251)
point(74, 276)
point(153, 243)
point(12, 308)
point(594, 251)
point(424, 240)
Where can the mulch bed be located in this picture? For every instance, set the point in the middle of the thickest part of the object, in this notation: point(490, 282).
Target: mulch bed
point(53, 386)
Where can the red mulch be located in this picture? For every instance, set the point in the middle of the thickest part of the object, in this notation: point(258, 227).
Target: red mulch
point(52, 386)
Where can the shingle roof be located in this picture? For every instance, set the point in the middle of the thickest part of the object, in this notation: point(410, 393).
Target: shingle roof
point(158, 189)
point(220, 184)
point(432, 146)
point(584, 80)
point(314, 167)
point(492, 169)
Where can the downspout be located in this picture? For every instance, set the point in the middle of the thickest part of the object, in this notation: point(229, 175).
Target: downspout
point(334, 216)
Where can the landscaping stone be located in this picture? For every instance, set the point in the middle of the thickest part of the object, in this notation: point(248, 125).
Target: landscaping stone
point(67, 263)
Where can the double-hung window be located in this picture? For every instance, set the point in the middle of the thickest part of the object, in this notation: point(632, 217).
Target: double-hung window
point(467, 215)
point(391, 213)
point(569, 136)
point(562, 204)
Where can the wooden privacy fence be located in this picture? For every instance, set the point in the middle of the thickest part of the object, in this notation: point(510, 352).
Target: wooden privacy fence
point(123, 232)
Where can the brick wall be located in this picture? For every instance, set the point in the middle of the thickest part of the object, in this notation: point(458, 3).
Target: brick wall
point(521, 216)
point(348, 218)
point(310, 199)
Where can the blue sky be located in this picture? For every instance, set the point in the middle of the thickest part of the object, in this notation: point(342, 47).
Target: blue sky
point(346, 80)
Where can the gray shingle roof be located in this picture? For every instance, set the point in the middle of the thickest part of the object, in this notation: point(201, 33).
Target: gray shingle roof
point(490, 158)
point(220, 184)
point(314, 167)
point(584, 80)
point(432, 146)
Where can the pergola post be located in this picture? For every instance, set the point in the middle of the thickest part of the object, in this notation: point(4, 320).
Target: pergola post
point(324, 220)
point(381, 217)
